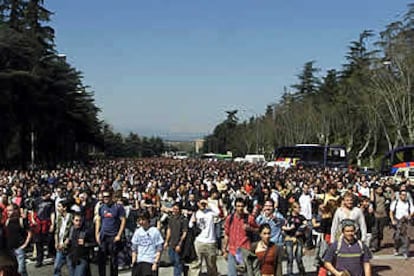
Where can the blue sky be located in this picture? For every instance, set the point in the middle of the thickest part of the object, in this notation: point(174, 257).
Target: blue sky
point(163, 67)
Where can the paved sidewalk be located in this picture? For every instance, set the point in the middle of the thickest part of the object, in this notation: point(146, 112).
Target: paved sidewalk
point(384, 263)
point(222, 267)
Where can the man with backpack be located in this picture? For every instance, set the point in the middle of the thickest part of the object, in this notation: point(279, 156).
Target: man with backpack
point(238, 230)
point(44, 216)
point(401, 213)
point(379, 202)
point(348, 256)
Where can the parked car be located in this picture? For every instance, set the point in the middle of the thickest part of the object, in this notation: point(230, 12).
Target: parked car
point(404, 173)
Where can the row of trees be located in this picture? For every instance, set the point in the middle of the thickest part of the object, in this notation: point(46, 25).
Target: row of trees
point(47, 113)
point(116, 145)
point(367, 105)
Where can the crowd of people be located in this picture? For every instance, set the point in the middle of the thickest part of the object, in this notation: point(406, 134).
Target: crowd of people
point(134, 212)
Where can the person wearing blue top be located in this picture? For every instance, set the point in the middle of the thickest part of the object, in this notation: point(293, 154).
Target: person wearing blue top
point(147, 245)
point(275, 219)
point(109, 226)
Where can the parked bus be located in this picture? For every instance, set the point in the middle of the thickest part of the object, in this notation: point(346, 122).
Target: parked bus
point(311, 155)
point(400, 157)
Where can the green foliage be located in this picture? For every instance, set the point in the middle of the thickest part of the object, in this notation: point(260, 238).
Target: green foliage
point(367, 105)
point(43, 97)
point(116, 145)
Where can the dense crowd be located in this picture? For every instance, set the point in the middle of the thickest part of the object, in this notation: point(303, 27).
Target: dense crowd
point(134, 212)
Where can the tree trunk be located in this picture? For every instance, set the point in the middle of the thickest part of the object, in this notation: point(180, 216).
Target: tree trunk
point(350, 144)
point(364, 148)
point(373, 152)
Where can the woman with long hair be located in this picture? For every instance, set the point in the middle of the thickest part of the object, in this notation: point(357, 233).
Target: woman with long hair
point(268, 253)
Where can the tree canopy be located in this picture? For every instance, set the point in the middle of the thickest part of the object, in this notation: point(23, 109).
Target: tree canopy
point(366, 105)
point(48, 114)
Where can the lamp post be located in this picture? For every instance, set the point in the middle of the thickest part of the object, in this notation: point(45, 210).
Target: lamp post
point(32, 152)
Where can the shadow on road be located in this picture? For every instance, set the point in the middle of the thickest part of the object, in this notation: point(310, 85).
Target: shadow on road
point(376, 269)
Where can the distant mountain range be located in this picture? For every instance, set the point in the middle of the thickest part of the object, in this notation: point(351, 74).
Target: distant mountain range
point(182, 136)
point(168, 136)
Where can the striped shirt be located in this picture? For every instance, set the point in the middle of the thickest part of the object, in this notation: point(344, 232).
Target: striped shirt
point(350, 257)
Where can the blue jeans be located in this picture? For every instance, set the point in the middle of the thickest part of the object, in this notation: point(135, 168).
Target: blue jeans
point(294, 251)
point(60, 259)
point(218, 229)
point(176, 261)
point(80, 269)
point(309, 237)
point(231, 265)
point(21, 261)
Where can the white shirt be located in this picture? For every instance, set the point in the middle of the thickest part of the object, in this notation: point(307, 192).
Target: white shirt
point(205, 221)
point(401, 208)
point(275, 197)
point(147, 244)
point(305, 202)
point(62, 229)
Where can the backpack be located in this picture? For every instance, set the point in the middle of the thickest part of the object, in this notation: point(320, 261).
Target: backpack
point(339, 244)
point(396, 204)
point(250, 235)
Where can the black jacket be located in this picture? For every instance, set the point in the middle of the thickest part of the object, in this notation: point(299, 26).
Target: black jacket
point(188, 251)
point(77, 251)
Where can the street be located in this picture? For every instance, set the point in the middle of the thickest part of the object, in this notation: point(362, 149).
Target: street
point(384, 262)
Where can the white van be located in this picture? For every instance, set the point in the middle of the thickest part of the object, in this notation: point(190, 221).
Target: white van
point(407, 173)
point(255, 158)
point(180, 155)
